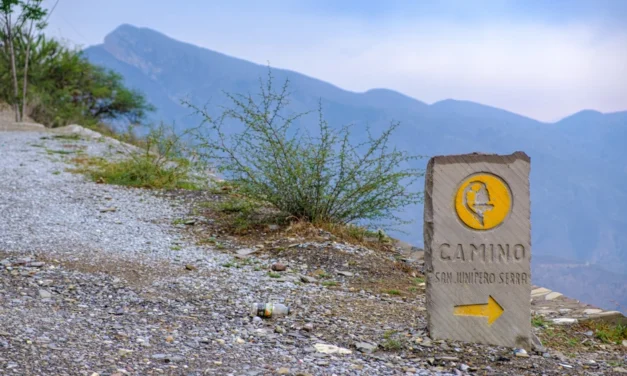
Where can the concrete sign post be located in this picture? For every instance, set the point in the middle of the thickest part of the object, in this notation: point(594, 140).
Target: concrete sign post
point(477, 236)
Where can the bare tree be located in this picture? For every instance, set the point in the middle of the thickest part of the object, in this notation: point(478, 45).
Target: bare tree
point(34, 14)
point(7, 7)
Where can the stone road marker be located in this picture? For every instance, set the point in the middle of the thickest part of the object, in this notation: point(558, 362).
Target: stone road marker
point(477, 236)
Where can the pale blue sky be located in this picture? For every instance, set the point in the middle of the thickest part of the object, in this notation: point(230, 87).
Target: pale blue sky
point(542, 58)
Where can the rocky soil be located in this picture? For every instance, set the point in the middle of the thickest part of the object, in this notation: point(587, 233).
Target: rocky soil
point(106, 280)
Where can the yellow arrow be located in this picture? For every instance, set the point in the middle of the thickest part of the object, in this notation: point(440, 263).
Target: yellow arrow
point(492, 310)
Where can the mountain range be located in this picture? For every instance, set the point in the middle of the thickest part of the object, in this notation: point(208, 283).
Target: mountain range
point(579, 164)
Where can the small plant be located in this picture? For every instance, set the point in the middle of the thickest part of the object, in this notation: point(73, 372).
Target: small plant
point(56, 172)
point(228, 265)
point(175, 248)
point(390, 341)
point(539, 322)
point(211, 240)
point(393, 292)
point(220, 188)
point(329, 283)
point(245, 262)
point(178, 221)
point(329, 177)
point(237, 205)
point(610, 333)
point(392, 344)
point(274, 275)
point(60, 152)
point(68, 137)
point(240, 214)
point(323, 275)
point(419, 280)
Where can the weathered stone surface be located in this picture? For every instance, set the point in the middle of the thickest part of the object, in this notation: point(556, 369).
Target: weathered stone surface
point(246, 251)
point(564, 321)
point(552, 295)
point(592, 311)
point(539, 292)
point(478, 248)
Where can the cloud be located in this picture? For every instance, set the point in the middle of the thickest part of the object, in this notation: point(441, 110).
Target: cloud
point(542, 71)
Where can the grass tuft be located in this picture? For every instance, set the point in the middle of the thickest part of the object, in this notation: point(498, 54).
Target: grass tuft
point(391, 342)
point(140, 172)
point(609, 333)
point(60, 152)
point(69, 137)
point(539, 322)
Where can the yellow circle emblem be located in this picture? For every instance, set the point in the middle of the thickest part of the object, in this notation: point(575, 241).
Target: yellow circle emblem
point(483, 201)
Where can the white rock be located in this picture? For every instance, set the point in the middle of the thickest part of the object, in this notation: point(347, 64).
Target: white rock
point(564, 321)
point(331, 349)
point(246, 251)
point(545, 312)
point(124, 352)
point(609, 314)
point(592, 311)
point(365, 347)
point(540, 291)
point(552, 295)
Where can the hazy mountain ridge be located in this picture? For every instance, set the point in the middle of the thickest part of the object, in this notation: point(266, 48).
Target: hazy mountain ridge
point(578, 163)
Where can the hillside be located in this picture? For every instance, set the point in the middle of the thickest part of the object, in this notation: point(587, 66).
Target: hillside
point(578, 164)
point(102, 279)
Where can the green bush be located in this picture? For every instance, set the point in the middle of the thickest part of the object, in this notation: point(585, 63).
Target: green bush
point(65, 88)
point(323, 178)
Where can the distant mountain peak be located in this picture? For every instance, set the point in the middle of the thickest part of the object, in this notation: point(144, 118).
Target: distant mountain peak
point(392, 98)
point(122, 31)
point(588, 112)
point(583, 117)
point(125, 27)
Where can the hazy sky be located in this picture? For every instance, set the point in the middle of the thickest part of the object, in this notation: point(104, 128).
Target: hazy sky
point(544, 59)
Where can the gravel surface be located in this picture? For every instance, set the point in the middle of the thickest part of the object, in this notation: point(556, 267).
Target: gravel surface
point(46, 208)
point(103, 280)
point(97, 279)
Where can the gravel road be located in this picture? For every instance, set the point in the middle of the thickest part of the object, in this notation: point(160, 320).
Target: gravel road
point(100, 280)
